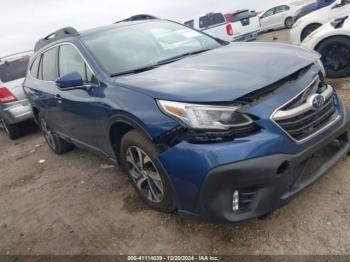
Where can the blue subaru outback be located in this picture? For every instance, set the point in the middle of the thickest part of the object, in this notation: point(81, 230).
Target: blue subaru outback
point(215, 130)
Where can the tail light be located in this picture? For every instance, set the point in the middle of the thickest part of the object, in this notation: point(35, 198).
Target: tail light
point(6, 96)
point(229, 29)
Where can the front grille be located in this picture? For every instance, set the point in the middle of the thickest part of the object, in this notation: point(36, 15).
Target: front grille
point(300, 119)
point(304, 125)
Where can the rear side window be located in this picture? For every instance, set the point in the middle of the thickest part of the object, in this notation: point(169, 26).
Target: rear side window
point(70, 61)
point(190, 23)
point(13, 70)
point(211, 20)
point(34, 70)
point(49, 72)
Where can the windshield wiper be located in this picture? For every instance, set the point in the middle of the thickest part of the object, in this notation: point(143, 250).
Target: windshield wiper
point(135, 71)
point(159, 63)
point(178, 57)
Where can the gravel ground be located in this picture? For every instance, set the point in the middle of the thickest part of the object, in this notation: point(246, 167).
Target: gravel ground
point(74, 204)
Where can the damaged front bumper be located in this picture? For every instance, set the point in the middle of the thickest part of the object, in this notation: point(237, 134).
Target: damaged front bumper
point(267, 170)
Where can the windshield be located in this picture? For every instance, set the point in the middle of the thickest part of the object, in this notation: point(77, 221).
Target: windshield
point(136, 46)
point(13, 70)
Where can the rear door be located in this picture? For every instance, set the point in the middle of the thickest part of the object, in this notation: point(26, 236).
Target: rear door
point(245, 22)
point(215, 25)
point(43, 88)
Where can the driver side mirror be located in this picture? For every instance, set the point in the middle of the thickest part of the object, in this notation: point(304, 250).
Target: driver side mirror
point(71, 81)
point(338, 3)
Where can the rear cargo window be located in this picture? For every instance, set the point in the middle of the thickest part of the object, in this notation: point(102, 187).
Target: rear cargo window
point(211, 20)
point(240, 16)
point(13, 70)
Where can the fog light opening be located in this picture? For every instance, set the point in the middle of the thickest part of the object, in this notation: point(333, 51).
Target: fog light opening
point(235, 201)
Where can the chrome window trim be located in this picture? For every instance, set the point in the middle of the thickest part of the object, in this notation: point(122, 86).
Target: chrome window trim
point(54, 46)
point(312, 135)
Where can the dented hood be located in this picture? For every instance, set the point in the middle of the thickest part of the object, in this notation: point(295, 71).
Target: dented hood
point(221, 75)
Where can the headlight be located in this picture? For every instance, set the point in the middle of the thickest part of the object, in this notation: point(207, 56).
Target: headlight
point(320, 65)
point(205, 117)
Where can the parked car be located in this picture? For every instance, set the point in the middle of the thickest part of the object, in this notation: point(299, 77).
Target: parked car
point(311, 22)
point(278, 17)
point(14, 105)
point(332, 41)
point(211, 129)
point(244, 26)
point(311, 7)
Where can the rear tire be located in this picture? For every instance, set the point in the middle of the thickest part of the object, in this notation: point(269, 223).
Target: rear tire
point(308, 30)
point(289, 22)
point(335, 53)
point(58, 145)
point(139, 159)
point(12, 131)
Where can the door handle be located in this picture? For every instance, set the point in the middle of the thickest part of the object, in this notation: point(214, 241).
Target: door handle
point(58, 98)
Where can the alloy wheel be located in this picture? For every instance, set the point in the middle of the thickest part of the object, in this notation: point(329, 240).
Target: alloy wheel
point(48, 134)
point(145, 174)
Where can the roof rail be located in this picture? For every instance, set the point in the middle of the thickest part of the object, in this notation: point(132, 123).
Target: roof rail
point(59, 34)
point(139, 17)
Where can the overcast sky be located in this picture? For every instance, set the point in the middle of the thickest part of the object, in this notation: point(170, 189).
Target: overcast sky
point(25, 21)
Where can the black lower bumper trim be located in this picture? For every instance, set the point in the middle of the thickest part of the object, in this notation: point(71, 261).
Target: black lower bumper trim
point(266, 183)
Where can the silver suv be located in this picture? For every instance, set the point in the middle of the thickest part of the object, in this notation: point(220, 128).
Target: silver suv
point(14, 105)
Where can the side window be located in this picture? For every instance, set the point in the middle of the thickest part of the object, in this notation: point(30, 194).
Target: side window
point(70, 61)
point(282, 8)
point(190, 23)
point(34, 70)
point(48, 64)
point(269, 13)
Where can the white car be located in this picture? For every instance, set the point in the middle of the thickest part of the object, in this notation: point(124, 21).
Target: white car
point(332, 41)
point(244, 27)
point(278, 17)
point(307, 24)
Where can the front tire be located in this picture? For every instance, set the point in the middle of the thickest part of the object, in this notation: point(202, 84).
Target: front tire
point(12, 131)
point(335, 53)
point(58, 145)
point(289, 22)
point(139, 159)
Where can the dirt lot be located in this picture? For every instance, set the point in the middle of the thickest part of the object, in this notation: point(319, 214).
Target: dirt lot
point(72, 204)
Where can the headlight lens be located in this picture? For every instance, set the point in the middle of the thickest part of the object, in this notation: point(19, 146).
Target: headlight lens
point(206, 117)
point(320, 65)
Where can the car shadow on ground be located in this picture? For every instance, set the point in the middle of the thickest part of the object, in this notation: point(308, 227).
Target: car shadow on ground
point(28, 127)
